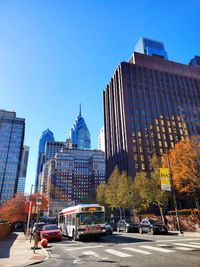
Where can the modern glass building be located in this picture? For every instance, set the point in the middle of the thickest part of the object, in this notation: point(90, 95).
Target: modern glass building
point(47, 135)
point(79, 134)
point(11, 145)
point(23, 169)
point(150, 104)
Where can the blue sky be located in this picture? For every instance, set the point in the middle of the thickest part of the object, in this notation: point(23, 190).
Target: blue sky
point(57, 54)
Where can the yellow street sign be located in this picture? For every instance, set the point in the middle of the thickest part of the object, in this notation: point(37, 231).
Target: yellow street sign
point(165, 179)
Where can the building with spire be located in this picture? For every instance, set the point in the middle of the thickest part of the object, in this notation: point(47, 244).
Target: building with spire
point(79, 134)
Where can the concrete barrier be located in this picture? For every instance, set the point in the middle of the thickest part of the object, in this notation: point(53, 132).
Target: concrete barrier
point(4, 229)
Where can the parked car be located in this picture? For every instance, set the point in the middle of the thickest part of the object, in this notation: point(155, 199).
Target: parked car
point(109, 229)
point(127, 226)
point(51, 231)
point(152, 226)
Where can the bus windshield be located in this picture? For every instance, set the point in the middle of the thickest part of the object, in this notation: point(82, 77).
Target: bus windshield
point(91, 218)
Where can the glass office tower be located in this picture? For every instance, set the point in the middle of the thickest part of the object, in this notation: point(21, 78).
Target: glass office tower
point(11, 144)
point(23, 170)
point(47, 135)
point(79, 134)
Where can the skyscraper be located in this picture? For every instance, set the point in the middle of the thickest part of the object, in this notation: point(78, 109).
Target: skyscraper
point(23, 170)
point(101, 140)
point(47, 135)
point(151, 48)
point(150, 104)
point(73, 176)
point(51, 148)
point(79, 134)
point(11, 144)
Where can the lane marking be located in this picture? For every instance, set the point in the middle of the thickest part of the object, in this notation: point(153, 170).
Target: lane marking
point(92, 253)
point(183, 248)
point(69, 249)
point(158, 249)
point(172, 240)
point(187, 245)
point(194, 243)
point(118, 253)
point(138, 251)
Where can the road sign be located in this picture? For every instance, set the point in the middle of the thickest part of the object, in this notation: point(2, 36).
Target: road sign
point(165, 179)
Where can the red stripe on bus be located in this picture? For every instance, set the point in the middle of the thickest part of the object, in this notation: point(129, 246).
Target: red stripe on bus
point(70, 211)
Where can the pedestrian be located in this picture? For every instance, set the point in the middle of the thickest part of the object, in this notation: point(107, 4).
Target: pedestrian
point(165, 220)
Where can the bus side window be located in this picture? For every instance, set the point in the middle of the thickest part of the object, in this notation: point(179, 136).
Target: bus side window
point(73, 219)
point(70, 219)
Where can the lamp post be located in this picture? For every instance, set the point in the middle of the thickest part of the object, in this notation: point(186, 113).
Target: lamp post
point(29, 213)
point(173, 194)
point(38, 203)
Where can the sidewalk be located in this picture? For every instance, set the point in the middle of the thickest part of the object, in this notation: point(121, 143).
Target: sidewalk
point(186, 234)
point(16, 251)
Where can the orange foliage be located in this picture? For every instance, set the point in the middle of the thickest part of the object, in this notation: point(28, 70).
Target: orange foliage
point(14, 209)
point(185, 165)
point(44, 198)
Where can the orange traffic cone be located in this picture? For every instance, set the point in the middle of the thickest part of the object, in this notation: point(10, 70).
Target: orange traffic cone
point(44, 242)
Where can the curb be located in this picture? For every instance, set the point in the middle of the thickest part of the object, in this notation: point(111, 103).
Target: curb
point(45, 253)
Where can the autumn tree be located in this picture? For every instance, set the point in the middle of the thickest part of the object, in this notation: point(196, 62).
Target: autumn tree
point(157, 196)
point(124, 192)
point(111, 189)
point(185, 165)
point(101, 194)
point(44, 200)
point(13, 210)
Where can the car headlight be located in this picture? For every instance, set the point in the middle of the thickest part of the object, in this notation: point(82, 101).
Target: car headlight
point(128, 224)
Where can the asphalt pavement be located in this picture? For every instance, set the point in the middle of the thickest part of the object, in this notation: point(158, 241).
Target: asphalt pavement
point(126, 250)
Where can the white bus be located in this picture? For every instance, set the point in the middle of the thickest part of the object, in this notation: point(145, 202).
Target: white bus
point(82, 220)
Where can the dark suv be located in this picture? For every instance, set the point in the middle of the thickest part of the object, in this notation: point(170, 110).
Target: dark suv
point(152, 226)
point(127, 226)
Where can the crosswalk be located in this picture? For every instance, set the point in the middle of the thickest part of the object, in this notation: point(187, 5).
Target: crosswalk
point(130, 251)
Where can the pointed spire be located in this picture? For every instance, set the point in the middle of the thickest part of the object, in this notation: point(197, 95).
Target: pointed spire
point(80, 110)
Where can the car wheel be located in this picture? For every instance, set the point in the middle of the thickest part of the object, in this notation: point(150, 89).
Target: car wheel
point(152, 231)
point(140, 230)
point(118, 229)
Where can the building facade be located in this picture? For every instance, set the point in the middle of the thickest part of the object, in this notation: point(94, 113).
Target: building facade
point(150, 104)
point(47, 135)
point(79, 134)
point(23, 170)
point(101, 140)
point(51, 148)
point(11, 145)
point(73, 177)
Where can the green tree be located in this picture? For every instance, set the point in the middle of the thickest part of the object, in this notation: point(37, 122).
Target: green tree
point(101, 194)
point(124, 192)
point(111, 189)
point(156, 195)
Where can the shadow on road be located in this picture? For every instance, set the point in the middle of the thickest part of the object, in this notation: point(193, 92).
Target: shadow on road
point(5, 245)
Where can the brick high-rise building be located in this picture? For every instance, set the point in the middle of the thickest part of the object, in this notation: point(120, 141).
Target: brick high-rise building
point(150, 104)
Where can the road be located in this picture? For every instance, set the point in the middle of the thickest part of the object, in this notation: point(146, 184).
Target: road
point(126, 250)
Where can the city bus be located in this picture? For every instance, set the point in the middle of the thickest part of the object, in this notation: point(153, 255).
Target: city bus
point(82, 221)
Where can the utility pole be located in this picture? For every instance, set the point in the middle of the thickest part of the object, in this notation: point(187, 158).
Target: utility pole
point(174, 194)
point(29, 212)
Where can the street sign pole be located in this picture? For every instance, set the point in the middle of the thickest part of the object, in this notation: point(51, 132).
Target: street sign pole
point(29, 213)
point(174, 195)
